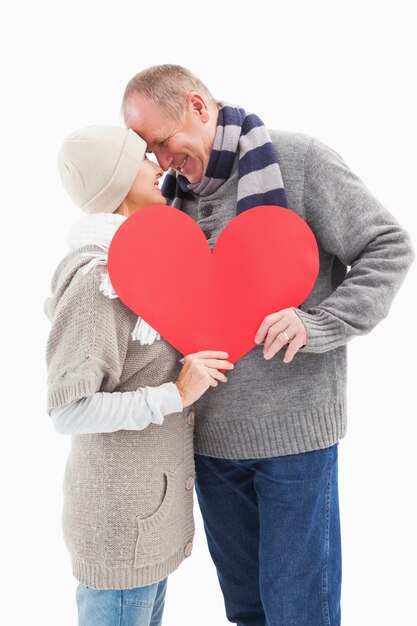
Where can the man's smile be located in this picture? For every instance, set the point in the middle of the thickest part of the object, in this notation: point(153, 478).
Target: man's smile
point(181, 166)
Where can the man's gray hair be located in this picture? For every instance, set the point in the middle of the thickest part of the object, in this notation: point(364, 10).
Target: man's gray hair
point(167, 86)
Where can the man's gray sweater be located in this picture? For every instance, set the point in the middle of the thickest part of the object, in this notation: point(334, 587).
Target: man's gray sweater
point(269, 408)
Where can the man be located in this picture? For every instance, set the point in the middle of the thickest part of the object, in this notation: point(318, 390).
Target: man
point(266, 442)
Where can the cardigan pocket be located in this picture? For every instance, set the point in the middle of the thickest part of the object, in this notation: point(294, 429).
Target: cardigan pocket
point(160, 535)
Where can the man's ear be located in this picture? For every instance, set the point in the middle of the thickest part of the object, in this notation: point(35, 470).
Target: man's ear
point(197, 105)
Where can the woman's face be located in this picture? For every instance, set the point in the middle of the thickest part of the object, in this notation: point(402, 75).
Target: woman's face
point(145, 188)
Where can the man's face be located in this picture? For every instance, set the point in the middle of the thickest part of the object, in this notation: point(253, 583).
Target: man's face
point(184, 145)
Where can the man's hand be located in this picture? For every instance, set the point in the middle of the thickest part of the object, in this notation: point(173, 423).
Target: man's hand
point(278, 329)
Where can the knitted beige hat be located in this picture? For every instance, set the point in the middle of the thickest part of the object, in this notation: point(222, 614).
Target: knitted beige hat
point(98, 165)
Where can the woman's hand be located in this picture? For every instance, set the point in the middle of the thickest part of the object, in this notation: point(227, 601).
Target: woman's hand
point(199, 372)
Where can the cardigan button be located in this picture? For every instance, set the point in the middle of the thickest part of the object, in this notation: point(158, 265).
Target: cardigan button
point(207, 210)
point(188, 548)
point(191, 418)
point(189, 483)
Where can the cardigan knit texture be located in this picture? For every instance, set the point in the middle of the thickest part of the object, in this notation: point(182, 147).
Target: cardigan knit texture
point(128, 495)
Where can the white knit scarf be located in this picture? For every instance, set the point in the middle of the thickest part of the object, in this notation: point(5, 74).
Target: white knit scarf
point(98, 229)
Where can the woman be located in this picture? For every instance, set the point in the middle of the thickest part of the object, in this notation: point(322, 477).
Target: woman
point(117, 386)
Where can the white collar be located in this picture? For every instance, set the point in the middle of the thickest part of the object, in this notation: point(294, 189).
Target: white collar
point(98, 229)
point(95, 229)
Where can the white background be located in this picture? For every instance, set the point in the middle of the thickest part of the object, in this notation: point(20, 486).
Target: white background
point(342, 72)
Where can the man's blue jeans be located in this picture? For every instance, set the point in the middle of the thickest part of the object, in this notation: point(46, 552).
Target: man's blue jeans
point(141, 606)
point(273, 532)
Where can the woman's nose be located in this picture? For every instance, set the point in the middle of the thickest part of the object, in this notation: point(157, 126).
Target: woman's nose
point(158, 171)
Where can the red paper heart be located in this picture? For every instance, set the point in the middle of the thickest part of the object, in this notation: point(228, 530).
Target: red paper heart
point(161, 266)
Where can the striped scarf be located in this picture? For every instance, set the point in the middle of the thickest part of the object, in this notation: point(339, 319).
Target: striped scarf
point(259, 176)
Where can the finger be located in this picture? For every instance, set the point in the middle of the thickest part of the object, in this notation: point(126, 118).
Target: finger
point(269, 321)
point(277, 331)
point(207, 354)
point(216, 375)
point(274, 348)
point(287, 335)
point(281, 340)
point(271, 337)
point(292, 349)
point(217, 364)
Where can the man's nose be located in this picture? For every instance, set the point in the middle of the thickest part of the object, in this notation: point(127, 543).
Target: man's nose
point(163, 157)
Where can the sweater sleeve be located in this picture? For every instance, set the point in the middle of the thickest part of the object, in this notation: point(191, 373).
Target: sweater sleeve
point(352, 225)
point(108, 412)
point(88, 340)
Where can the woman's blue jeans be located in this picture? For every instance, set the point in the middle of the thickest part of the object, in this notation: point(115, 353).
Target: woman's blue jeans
point(273, 532)
point(141, 606)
